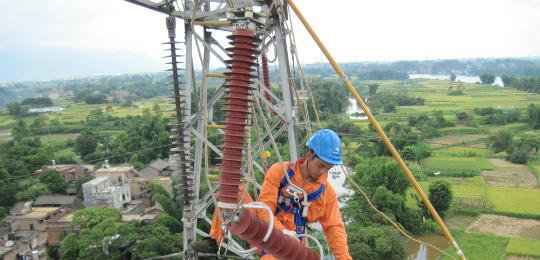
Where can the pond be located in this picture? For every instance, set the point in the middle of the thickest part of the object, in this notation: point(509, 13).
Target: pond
point(416, 251)
point(462, 78)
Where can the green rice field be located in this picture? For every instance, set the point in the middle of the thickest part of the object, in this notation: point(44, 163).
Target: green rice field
point(450, 163)
point(515, 200)
point(459, 150)
point(478, 246)
point(523, 247)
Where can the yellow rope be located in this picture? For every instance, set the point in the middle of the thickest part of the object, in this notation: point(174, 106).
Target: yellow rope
point(387, 218)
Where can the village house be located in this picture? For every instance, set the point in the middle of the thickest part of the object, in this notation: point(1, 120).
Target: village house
point(117, 175)
point(156, 168)
point(62, 201)
point(68, 172)
point(101, 192)
point(58, 229)
point(28, 230)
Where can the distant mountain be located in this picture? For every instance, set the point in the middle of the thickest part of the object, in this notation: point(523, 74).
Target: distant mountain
point(41, 63)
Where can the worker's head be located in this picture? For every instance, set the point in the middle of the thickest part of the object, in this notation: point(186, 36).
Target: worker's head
point(324, 153)
point(326, 145)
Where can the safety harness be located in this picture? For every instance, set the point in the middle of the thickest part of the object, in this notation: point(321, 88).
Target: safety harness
point(288, 204)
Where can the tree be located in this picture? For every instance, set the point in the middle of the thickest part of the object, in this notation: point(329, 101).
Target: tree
point(501, 141)
point(20, 130)
point(533, 116)
point(90, 217)
point(508, 79)
point(487, 78)
point(416, 152)
point(107, 238)
point(373, 88)
point(374, 242)
point(440, 195)
point(169, 205)
point(15, 109)
point(65, 157)
point(453, 77)
point(173, 225)
point(86, 143)
point(53, 180)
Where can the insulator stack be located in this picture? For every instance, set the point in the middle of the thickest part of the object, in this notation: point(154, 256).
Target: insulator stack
point(238, 100)
point(253, 229)
point(266, 77)
point(180, 132)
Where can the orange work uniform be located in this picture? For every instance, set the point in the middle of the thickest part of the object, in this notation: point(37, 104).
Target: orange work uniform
point(324, 209)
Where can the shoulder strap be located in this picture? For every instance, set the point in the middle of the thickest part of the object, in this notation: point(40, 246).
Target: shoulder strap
point(290, 172)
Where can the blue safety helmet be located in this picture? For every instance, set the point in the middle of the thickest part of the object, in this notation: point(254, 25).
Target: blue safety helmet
point(327, 146)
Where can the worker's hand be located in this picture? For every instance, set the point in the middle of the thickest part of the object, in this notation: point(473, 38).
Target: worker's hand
point(291, 234)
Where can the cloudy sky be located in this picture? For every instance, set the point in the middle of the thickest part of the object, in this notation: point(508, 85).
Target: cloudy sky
point(352, 30)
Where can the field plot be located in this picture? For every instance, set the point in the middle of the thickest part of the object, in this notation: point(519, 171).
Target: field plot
point(507, 174)
point(461, 150)
point(451, 163)
point(506, 226)
point(515, 200)
point(56, 137)
point(478, 246)
point(523, 247)
point(473, 187)
point(454, 139)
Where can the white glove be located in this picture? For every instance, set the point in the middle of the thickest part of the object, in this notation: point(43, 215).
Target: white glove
point(291, 234)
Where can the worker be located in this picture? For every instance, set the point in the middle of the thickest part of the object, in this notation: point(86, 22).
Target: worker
point(310, 174)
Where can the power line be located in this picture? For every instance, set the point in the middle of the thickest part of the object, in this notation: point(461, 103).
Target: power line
point(97, 160)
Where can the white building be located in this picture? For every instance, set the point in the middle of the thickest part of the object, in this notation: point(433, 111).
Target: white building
point(100, 192)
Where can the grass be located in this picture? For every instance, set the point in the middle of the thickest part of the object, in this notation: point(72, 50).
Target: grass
point(473, 187)
point(460, 150)
point(56, 137)
point(523, 247)
point(515, 200)
point(450, 163)
point(536, 170)
point(483, 164)
point(478, 246)
point(461, 130)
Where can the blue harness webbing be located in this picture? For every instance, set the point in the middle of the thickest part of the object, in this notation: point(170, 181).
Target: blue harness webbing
point(288, 205)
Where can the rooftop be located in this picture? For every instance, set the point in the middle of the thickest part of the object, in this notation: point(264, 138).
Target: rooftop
point(114, 169)
point(55, 199)
point(98, 180)
point(41, 212)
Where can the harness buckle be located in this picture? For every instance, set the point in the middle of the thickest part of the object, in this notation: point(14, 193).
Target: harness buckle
point(294, 191)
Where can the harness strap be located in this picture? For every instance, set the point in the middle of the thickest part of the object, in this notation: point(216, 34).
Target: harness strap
point(290, 207)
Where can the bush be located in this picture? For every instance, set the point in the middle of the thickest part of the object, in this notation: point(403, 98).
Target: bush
point(430, 226)
point(461, 115)
point(467, 172)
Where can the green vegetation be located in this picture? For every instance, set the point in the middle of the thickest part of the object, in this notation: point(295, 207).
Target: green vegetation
point(515, 200)
point(478, 246)
point(450, 163)
point(523, 247)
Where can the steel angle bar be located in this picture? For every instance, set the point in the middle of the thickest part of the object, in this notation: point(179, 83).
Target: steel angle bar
point(279, 112)
point(207, 45)
point(265, 145)
point(274, 97)
point(214, 42)
point(210, 105)
point(212, 146)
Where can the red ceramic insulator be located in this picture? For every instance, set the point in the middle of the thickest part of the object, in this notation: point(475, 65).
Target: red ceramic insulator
point(266, 77)
point(242, 60)
point(253, 229)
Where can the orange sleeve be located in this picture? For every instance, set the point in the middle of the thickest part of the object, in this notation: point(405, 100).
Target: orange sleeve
point(333, 227)
point(269, 193)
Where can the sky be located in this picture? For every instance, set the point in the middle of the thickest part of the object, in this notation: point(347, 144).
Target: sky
point(352, 30)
